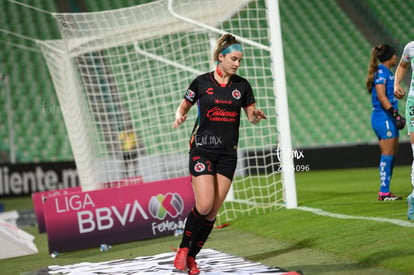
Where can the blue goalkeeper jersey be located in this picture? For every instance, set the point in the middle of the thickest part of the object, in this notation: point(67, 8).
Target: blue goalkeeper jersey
point(386, 77)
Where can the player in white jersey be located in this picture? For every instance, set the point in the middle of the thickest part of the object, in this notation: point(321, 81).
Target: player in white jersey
point(407, 59)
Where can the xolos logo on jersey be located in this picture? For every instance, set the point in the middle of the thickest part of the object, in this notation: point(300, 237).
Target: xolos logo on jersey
point(161, 205)
point(199, 167)
point(236, 94)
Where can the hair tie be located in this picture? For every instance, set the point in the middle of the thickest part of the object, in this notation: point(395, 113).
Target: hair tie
point(387, 54)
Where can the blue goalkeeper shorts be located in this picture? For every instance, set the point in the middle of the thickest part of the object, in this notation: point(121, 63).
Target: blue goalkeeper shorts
point(384, 125)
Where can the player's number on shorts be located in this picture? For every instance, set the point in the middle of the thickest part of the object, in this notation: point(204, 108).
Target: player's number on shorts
point(411, 110)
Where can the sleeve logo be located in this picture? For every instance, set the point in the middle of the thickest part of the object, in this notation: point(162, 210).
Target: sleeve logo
point(190, 94)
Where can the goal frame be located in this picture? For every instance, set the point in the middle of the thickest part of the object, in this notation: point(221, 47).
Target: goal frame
point(81, 142)
point(279, 87)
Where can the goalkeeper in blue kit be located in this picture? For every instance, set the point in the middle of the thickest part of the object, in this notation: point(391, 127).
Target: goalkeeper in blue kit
point(385, 119)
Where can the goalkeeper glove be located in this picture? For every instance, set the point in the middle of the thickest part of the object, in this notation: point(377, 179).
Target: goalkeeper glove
point(399, 119)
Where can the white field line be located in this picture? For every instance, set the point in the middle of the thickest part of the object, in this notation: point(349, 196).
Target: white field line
point(321, 212)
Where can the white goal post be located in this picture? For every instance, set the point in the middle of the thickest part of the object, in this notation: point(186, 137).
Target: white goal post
point(120, 74)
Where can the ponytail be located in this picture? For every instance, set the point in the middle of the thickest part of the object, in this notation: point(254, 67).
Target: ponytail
point(372, 68)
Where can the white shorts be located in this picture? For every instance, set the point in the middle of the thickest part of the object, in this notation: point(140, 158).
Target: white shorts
point(409, 114)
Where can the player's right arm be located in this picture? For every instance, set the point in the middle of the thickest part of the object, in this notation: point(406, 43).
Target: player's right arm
point(399, 91)
point(181, 113)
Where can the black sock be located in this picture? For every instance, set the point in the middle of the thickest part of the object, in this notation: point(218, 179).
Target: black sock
point(201, 237)
point(192, 226)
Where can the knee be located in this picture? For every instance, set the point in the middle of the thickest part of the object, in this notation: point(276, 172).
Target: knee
point(204, 208)
point(211, 216)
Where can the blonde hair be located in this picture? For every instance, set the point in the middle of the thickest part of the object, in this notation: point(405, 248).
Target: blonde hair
point(223, 42)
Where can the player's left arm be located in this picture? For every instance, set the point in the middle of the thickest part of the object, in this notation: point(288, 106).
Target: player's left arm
point(382, 97)
point(254, 115)
point(399, 119)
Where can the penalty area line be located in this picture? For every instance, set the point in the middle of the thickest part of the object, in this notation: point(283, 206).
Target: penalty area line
point(321, 212)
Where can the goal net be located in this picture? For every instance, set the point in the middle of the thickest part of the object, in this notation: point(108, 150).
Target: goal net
point(120, 75)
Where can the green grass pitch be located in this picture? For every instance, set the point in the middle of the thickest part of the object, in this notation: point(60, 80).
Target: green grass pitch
point(289, 238)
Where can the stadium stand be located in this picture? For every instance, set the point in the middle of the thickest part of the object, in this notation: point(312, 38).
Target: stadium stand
point(394, 17)
point(33, 99)
point(326, 64)
point(326, 59)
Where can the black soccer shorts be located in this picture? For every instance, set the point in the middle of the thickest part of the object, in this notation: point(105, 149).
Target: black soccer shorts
point(210, 163)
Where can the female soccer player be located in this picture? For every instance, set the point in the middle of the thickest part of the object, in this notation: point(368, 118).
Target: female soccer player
point(407, 58)
point(219, 95)
point(385, 119)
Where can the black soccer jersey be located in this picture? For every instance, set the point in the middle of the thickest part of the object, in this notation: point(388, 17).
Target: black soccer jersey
point(219, 108)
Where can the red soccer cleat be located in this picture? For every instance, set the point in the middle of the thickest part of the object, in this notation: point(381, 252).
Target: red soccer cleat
point(192, 266)
point(180, 261)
